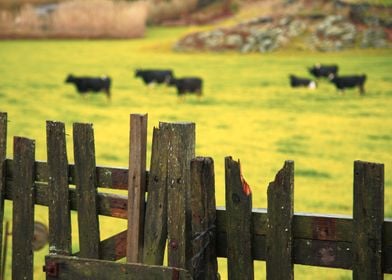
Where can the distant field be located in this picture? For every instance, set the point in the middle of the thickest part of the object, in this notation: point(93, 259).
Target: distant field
point(248, 111)
point(375, 2)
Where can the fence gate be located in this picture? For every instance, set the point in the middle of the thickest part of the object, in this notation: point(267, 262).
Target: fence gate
point(172, 208)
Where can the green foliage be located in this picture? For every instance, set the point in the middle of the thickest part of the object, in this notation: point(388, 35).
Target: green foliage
point(248, 111)
point(386, 3)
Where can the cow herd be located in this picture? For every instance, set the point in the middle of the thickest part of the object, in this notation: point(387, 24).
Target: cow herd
point(184, 85)
point(329, 72)
point(149, 76)
point(194, 85)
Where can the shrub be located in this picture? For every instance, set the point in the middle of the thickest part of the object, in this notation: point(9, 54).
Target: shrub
point(78, 19)
point(100, 18)
point(169, 10)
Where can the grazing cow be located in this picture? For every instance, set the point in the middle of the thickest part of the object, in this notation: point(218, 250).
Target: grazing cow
point(187, 85)
point(154, 76)
point(342, 82)
point(323, 70)
point(86, 84)
point(302, 82)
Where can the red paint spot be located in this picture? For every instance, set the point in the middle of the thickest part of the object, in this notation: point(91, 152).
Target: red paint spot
point(245, 186)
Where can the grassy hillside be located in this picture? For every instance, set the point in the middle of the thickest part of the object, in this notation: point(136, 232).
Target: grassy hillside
point(248, 111)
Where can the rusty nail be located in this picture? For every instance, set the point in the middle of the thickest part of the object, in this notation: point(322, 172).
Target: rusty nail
point(51, 269)
point(173, 244)
point(324, 228)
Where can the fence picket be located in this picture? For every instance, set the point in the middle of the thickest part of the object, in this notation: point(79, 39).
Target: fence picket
point(155, 227)
point(239, 223)
point(279, 242)
point(86, 192)
point(204, 261)
point(136, 187)
point(181, 150)
point(58, 195)
point(368, 218)
point(23, 209)
point(3, 150)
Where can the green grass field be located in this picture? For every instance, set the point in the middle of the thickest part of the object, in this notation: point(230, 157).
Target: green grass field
point(248, 111)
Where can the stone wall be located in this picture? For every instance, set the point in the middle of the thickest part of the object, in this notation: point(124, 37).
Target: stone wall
point(266, 34)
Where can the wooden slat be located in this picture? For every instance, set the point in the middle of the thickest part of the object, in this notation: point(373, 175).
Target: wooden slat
point(322, 253)
point(62, 268)
point(204, 260)
point(181, 150)
point(107, 177)
point(155, 227)
point(3, 151)
point(279, 260)
point(112, 205)
point(59, 211)
point(368, 217)
point(387, 259)
point(112, 248)
point(5, 250)
point(23, 209)
point(136, 187)
point(86, 183)
point(239, 223)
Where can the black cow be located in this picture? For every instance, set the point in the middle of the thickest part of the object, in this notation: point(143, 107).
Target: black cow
point(154, 76)
point(302, 82)
point(86, 84)
point(342, 82)
point(187, 85)
point(323, 70)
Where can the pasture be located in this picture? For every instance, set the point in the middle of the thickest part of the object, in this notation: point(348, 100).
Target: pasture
point(247, 111)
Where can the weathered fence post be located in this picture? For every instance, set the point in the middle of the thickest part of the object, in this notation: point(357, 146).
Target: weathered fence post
point(155, 226)
point(279, 242)
point(181, 150)
point(23, 208)
point(59, 205)
point(3, 150)
point(86, 190)
point(239, 223)
point(368, 218)
point(136, 187)
point(204, 261)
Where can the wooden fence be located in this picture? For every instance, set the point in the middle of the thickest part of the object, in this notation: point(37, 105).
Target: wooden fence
point(179, 211)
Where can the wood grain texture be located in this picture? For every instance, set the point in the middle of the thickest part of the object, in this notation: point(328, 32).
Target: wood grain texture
point(204, 260)
point(279, 235)
point(107, 177)
point(58, 196)
point(181, 149)
point(23, 209)
point(86, 192)
point(238, 224)
point(112, 248)
point(136, 187)
point(3, 151)
point(155, 227)
point(64, 268)
point(368, 218)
